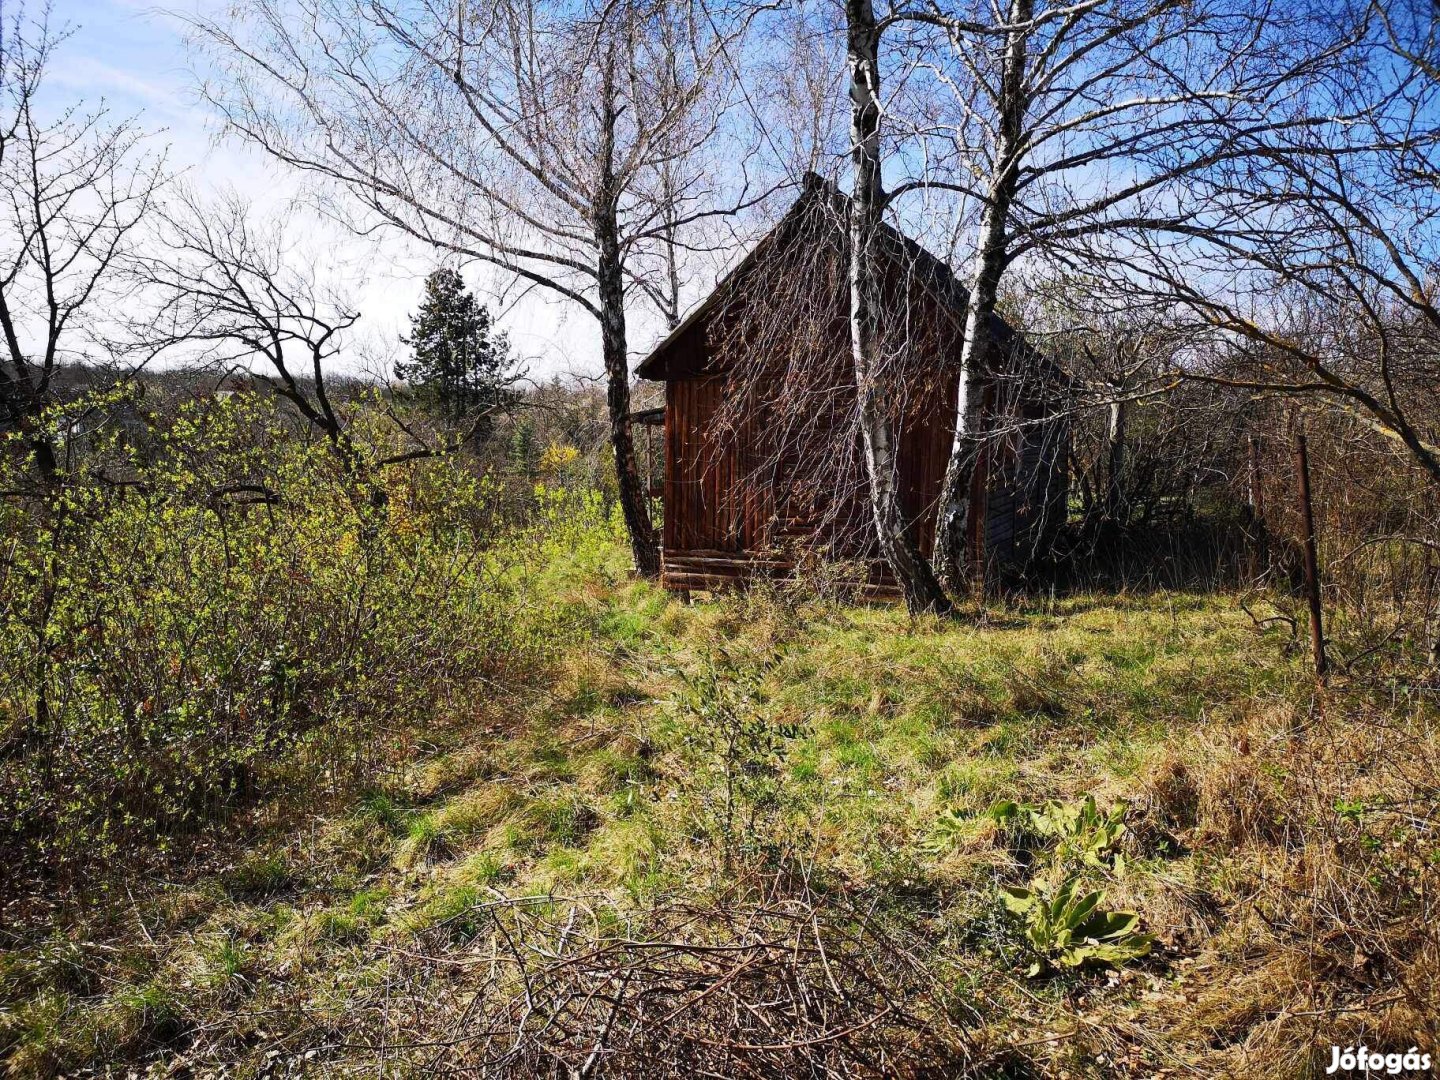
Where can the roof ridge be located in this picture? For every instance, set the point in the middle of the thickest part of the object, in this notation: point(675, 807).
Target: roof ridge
point(936, 274)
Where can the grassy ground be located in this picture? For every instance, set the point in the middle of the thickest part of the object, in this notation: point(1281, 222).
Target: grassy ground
point(753, 836)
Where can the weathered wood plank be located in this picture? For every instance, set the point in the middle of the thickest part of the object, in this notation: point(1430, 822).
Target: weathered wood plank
point(729, 494)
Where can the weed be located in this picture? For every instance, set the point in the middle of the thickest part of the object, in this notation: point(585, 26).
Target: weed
point(1081, 833)
point(485, 868)
point(1069, 929)
point(558, 818)
point(225, 963)
point(380, 808)
point(734, 734)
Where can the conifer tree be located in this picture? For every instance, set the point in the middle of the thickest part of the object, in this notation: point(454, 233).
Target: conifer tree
point(460, 363)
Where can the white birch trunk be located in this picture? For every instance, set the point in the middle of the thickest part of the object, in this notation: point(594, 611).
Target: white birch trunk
point(917, 580)
point(1115, 466)
point(952, 560)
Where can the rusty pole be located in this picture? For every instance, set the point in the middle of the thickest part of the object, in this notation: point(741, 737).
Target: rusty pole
point(1312, 561)
point(979, 508)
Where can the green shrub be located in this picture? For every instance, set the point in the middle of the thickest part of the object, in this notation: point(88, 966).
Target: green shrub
point(211, 605)
point(1076, 834)
point(1080, 832)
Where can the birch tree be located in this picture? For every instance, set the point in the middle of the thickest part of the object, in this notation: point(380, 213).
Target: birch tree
point(866, 206)
point(1054, 128)
point(1075, 121)
point(565, 145)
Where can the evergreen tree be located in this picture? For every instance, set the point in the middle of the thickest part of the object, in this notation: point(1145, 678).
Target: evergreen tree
point(460, 362)
point(524, 454)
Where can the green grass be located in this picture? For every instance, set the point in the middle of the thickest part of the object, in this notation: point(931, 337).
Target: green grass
point(869, 750)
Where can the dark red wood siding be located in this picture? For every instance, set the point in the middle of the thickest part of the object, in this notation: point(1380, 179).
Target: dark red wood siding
point(740, 499)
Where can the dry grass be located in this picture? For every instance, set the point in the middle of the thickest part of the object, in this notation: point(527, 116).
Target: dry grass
point(622, 872)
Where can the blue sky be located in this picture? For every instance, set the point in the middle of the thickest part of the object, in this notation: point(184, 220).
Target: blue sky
point(132, 54)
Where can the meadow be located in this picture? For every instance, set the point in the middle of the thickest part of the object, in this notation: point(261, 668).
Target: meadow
point(776, 832)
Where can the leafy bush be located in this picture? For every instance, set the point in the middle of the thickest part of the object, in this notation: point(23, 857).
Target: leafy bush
point(209, 600)
point(1081, 833)
point(1064, 928)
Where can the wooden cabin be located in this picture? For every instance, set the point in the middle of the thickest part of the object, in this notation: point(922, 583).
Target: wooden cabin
point(763, 465)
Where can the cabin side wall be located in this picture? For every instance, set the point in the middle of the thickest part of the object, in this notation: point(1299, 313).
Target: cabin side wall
point(722, 523)
point(694, 487)
point(721, 527)
point(739, 503)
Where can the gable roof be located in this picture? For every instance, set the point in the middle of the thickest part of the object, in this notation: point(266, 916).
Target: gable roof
point(932, 273)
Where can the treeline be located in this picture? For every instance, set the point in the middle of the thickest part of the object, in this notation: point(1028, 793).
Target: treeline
point(1184, 470)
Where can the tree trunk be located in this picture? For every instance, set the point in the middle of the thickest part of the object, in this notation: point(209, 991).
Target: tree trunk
point(671, 294)
point(922, 591)
point(610, 274)
point(45, 460)
point(951, 558)
point(1115, 437)
point(633, 497)
point(1312, 561)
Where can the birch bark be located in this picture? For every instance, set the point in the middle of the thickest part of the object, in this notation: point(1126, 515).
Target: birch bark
point(922, 591)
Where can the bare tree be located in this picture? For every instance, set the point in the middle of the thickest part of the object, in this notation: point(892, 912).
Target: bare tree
point(73, 188)
point(566, 145)
point(1054, 125)
point(1144, 443)
point(230, 293)
point(1077, 121)
point(228, 290)
point(866, 208)
point(1316, 257)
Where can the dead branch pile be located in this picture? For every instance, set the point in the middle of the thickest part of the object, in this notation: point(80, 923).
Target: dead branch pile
point(542, 986)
